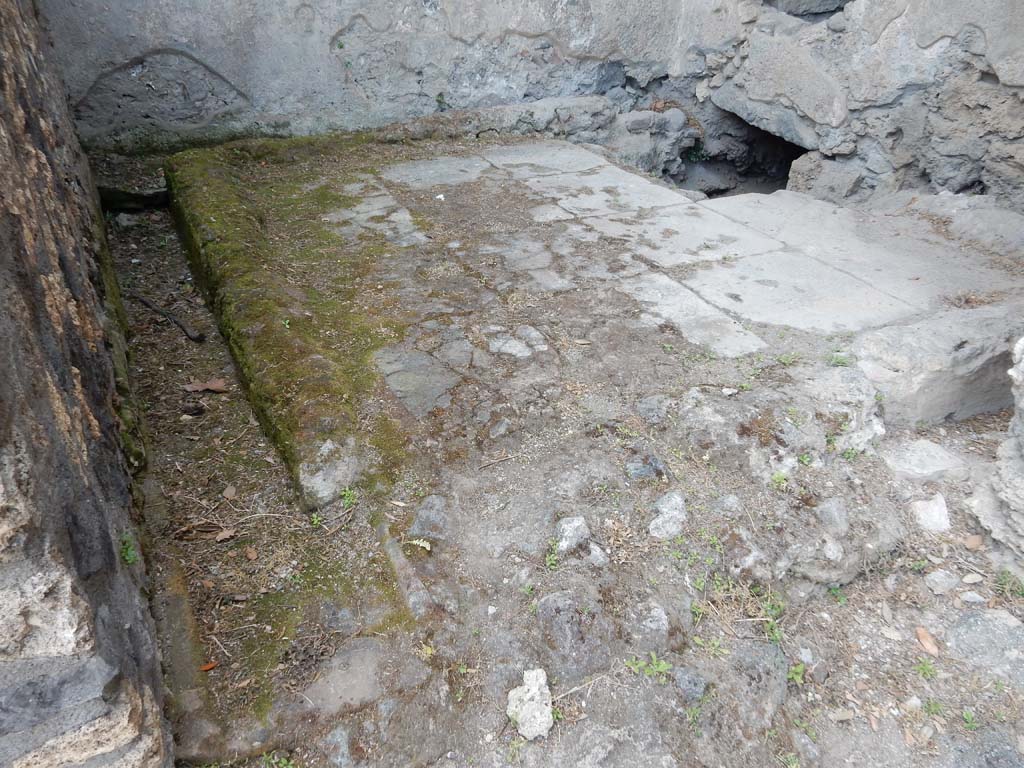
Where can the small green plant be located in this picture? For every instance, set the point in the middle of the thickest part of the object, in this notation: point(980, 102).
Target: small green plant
point(515, 748)
point(557, 715)
point(527, 589)
point(795, 674)
point(551, 558)
point(712, 647)
point(970, 720)
point(807, 728)
point(772, 631)
point(693, 714)
point(837, 595)
point(787, 359)
point(287, 323)
point(316, 520)
point(932, 707)
point(274, 760)
point(788, 760)
point(918, 566)
point(349, 497)
point(805, 458)
point(697, 610)
point(779, 481)
point(850, 454)
point(654, 667)
point(839, 360)
point(1008, 586)
point(925, 669)
point(696, 153)
point(129, 555)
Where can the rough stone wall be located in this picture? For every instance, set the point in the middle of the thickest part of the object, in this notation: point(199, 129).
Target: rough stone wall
point(79, 673)
point(886, 94)
point(890, 94)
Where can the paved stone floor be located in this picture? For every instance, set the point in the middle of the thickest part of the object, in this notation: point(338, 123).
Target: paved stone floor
point(661, 447)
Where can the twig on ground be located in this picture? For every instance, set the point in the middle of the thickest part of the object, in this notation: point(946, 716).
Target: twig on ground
point(193, 335)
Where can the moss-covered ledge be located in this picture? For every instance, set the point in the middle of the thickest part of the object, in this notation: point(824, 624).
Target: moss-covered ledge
point(288, 292)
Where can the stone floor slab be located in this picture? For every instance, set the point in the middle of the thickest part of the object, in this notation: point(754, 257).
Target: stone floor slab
point(604, 191)
point(791, 288)
point(902, 256)
point(683, 234)
point(695, 319)
point(439, 171)
point(542, 158)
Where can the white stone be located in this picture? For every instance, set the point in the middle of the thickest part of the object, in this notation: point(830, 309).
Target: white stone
point(506, 345)
point(573, 532)
point(529, 705)
point(925, 461)
point(931, 514)
point(941, 581)
point(671, 515)
point(597, 556)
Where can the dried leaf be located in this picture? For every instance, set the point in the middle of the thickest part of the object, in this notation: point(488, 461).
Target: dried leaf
point(213, 385)
point(974, 542)
point(225, 534)
point(207, 584)
point(208, 666)
point(924, 637)
point(229, 493)
point(421, 543)
point(250, 553)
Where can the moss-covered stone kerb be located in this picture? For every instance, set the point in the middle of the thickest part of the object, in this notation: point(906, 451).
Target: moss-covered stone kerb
point(287, 290)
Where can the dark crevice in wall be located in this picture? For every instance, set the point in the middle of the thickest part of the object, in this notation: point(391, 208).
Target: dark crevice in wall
point(763, 166)
point(811, 10)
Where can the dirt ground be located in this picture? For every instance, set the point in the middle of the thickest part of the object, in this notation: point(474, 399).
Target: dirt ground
point(677, 651)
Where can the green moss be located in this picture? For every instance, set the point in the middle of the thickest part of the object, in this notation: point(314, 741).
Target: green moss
point(285, 287)
point(318, 582)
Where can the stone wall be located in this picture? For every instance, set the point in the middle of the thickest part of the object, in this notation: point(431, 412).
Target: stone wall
point(886, 94)
point(79, 672)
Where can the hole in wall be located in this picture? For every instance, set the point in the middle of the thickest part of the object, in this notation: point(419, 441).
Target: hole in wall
point(812, 10)
point(762, 165)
